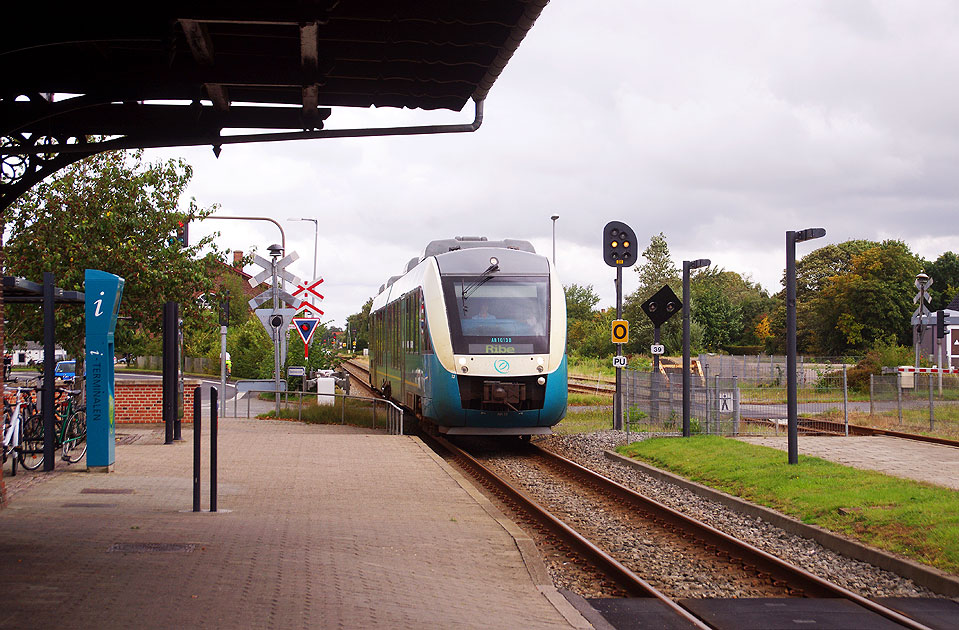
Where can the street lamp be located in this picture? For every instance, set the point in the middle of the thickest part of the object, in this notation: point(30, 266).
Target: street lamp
point(792, 411)
point(316, 234)
point(554, 217)
point(687, 266)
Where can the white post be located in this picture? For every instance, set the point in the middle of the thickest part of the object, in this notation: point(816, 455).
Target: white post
point(845, 399)
point(223, 370)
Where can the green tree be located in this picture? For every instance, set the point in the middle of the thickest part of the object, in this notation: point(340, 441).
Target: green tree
point(812, 274)
point(721, 320)
point(251, 350)
point(944, 272)
point(729, 307)
point(359, 324)
point(872, 302)
point(656, 271)
point(580, 302)
point(115, 213)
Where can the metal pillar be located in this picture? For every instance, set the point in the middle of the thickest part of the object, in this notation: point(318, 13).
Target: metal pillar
point(170, 364)
point(617, 400)
point(792, 409)
point(49, 365)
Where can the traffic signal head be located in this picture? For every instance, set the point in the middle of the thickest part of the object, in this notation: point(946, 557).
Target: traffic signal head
point(619, 244)
point(183, 232)
point(940, 324)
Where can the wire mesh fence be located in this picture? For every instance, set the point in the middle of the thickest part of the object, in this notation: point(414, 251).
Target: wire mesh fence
point(769, 369)
point(926, 403)
point(733, 405)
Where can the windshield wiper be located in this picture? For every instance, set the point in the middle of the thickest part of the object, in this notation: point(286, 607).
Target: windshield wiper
point(487, 276)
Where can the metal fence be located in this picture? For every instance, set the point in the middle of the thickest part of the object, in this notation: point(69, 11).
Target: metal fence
point(730, 405)
point(768, 368)
point(191, 365)
point(915, 402)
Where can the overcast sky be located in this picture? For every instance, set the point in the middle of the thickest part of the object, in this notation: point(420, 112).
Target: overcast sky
point(721, 124)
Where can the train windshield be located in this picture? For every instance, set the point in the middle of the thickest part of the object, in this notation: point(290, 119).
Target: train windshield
point(498, 314)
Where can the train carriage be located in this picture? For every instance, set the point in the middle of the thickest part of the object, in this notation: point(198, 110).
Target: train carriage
point(472, 338)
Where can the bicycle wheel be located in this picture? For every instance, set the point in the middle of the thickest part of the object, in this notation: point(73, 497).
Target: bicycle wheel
point(9, 451)
point(31, 442)
point(75, 437)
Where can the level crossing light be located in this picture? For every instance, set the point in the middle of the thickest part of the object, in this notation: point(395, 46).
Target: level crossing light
point(792, 411)
point(687, 266)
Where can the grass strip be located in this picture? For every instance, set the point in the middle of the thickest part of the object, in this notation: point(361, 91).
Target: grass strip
point(358, 413)
point(916, 520)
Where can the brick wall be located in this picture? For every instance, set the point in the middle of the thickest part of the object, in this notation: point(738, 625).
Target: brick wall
point(140, 401)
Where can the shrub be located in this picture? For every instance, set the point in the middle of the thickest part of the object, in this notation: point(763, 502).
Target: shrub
point(886, 353)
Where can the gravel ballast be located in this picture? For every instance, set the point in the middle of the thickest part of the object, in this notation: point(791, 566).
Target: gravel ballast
point(859, 577)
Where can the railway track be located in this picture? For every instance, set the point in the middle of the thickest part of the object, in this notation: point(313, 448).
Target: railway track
point(715, 556)
point(360, 376)
point(578, 388)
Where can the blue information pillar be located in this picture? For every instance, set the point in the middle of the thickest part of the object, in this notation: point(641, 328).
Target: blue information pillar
point(103, 292)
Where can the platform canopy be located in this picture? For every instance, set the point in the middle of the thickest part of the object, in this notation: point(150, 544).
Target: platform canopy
point(21, 290)
point(79, 78)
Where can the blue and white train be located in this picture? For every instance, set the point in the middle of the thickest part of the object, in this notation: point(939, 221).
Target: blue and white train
point(472, 338)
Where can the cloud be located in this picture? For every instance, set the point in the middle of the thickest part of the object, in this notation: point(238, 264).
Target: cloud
point(720, 124)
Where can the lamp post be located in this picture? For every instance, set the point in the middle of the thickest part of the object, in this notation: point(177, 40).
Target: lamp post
point(792, 411)
point(554, 217)
point(316, 234)
point(687, 266)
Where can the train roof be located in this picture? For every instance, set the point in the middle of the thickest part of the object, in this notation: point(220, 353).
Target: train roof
point(443, 246)
point(458, 243)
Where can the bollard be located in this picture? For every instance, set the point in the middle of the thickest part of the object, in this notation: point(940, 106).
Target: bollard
point(213, 429)
point(899, 395)
point(845, 399)
point(932, 415)
point(196, 449)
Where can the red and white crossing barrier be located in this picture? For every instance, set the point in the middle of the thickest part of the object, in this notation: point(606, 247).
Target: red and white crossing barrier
point(909, 369)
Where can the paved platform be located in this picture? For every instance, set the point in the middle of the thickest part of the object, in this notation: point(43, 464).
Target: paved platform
point(911, 459)
point(319, 527)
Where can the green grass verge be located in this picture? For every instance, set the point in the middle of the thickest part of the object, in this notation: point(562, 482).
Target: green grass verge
point(357, 413)
point(917, 520)
point(585, 421)
point(576, 400)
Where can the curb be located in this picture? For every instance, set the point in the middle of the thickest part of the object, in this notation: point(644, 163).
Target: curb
point(929, 577)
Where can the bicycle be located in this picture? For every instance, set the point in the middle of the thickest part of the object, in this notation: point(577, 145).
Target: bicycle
point(73, 436)
point(69, 430)
point(13, 426)
point(31, 430)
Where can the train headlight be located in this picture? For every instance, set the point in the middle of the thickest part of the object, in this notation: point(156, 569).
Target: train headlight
point(541, 380)
point(464, 369)
point(462, 360)
point(493, 261)
point(539, 368)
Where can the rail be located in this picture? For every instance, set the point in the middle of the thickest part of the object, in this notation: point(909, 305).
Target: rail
point(621, 575)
